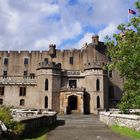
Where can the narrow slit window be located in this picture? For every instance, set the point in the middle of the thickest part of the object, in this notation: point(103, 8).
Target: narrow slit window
point(46, 84)
point(97, 85)
point(1, 91)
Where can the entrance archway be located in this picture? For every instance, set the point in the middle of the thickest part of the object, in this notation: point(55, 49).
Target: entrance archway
point(72, 103)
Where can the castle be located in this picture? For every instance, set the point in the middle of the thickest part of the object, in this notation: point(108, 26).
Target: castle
point(62, 80)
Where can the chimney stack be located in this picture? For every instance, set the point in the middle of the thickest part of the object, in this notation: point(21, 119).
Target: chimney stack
point(95, 39)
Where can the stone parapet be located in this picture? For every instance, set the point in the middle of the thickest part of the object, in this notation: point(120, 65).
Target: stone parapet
point(17, 80)
point(93, 65)
point(124, 120)
point(49, 65)
point(68, 89)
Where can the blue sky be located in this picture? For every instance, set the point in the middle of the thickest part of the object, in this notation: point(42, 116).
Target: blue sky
point(34, 24)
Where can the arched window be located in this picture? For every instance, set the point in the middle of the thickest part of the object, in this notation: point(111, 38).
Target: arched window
point(98, 102)
point(97, 85)
point(22, 102)
point(46, 102)
point(46, 84)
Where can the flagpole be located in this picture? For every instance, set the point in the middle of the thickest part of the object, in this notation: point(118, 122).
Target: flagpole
point(128, 16)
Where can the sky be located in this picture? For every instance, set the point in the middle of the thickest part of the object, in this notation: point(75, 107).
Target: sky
point(34, 24)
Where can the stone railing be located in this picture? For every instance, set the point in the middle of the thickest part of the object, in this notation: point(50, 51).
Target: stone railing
point(18, 80)
point(48, 65)
point(67, 89)
point(125, 120)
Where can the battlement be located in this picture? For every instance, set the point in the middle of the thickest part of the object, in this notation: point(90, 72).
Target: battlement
point(17, 80)
point(48, 65)
point(93, 65)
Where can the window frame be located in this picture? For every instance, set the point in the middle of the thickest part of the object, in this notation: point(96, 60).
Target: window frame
point(5, 61)
point(71, 60)
point(26, 60)
point(22, 91)
point(2, 90)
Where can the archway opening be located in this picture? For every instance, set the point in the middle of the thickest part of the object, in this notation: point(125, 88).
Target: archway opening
point(72, 103)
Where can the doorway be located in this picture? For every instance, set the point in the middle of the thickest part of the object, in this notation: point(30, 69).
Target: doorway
point(72, 103)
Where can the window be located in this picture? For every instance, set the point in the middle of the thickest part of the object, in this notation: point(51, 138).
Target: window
point(110, 73)
point(46, 102)
point(97, 85)
point(22, 91)
point(46, 60)
point(32, 75)
point(72, 83)
point(5, 61)
point(46, 84)
point(25, 74)
point(1, 101)
point(4, 74)
point(98, 102)
point(26, 61)
point(1, 91)
point(71, 60)
point(22, 102)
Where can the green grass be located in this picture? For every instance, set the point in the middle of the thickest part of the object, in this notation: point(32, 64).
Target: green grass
point(41, 135)
point(126, 132)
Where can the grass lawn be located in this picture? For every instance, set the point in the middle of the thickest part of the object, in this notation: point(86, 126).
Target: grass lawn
point(126, 132)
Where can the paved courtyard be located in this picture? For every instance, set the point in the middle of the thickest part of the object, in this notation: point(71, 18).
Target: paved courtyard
point(82, 127)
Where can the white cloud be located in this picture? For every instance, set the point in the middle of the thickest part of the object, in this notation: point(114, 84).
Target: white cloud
point(49, 8)
point(33, 24)
point(109, 30)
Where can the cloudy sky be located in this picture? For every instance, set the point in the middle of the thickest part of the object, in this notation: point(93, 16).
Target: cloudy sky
point(34, 24)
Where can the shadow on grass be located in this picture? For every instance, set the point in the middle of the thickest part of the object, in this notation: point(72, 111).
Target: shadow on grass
point(42, 131)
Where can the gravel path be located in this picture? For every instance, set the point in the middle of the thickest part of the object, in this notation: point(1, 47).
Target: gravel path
point(82, 127)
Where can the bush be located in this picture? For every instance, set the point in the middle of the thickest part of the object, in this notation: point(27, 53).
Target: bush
point(6, 118)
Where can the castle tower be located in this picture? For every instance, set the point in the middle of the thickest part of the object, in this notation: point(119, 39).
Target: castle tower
point(48, 82)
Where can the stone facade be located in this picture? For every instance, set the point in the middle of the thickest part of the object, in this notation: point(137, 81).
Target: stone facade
point(61, 80)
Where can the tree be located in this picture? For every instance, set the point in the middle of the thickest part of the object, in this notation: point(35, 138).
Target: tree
point(124, 51)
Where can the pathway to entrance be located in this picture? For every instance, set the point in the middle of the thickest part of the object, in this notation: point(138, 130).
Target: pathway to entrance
point(82, 127)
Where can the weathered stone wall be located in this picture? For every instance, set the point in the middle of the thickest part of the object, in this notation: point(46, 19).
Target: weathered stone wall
point(37, 122)
point(130, 121)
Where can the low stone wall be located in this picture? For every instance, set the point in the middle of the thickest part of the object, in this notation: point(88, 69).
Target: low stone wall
point(33, 124)
point(130, 121)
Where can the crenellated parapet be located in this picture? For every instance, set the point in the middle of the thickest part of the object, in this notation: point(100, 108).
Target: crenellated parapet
point(93, 65)
point(48, 65)
point(18, 80)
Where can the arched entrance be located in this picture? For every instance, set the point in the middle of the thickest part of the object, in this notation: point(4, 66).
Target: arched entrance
point(72, 103)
